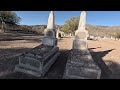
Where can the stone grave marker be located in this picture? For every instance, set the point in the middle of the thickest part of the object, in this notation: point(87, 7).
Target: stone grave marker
point(38, 60)
point(80, 64)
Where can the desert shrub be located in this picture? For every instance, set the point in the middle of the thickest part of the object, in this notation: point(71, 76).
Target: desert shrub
point(39, 29)
point(70, 25)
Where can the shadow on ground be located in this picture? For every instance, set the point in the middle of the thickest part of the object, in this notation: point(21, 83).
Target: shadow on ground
point(110, 69)
point(8, 62)
point(57, 70)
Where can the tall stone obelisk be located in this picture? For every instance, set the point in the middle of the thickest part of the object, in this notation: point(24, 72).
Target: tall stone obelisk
point(50, 32)
point(80, 40)
point(80, 64)
point(3, 27)
point(51, 21)
point(82, 22)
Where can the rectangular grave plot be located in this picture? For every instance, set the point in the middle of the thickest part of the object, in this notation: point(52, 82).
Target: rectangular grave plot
point(35, 62)
point(29, 61)
point(82, 72)
point(50, 57)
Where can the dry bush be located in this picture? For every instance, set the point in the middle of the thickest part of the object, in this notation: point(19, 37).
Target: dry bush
point(24, 28)
point(39, 31)
point(107, 31)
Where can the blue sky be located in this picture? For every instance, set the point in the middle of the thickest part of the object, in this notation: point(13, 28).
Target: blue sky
point(105, 18)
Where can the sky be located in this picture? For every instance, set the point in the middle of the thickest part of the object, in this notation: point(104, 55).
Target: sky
point(104, 18)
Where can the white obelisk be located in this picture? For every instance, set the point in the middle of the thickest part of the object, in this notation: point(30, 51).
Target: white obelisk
point(80, 41)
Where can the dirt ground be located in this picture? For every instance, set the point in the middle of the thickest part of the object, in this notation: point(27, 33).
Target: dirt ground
point(13, 44)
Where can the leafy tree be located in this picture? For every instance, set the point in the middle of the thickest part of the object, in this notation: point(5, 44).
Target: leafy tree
point(71, 25)
point(9, 17)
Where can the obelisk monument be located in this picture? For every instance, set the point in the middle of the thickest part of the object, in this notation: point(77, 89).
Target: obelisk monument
point(80, 40)
point(80, 64)
point(50, 32)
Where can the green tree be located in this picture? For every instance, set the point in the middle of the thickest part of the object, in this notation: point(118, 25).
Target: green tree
point(71, 25)
point(9, 17)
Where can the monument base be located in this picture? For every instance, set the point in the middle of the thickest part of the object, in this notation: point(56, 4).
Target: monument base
point(37, 61)
point(80, 44)
point(80, 65)
point(49, 41)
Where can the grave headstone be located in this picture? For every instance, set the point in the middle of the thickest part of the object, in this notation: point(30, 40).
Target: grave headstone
point(62, 34)
point(38, 60)
point(99, 38)
point(81, 34)
point(58, 33)
point(3, 26)
point(117, 38)
point(80, 64)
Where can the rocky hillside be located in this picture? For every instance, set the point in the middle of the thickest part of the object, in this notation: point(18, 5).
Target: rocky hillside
point(107, 31)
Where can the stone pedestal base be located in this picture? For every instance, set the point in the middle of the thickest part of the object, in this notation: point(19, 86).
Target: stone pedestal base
point(80, 44)
point(49, 41)
point(80, 65)
point(37, 61)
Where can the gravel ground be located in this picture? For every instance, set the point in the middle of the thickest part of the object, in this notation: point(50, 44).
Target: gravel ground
point(15, 44)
